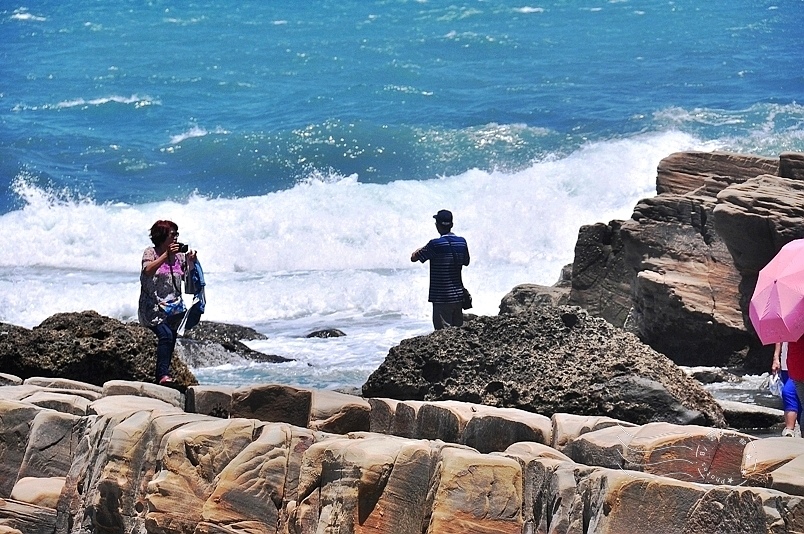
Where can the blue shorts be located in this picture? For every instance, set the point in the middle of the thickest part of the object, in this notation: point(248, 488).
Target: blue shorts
point(789, 396)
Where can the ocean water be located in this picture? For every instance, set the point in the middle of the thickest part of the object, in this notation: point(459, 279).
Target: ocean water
point(303, 149)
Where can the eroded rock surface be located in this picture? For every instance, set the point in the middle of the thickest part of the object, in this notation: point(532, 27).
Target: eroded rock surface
point(555, 359)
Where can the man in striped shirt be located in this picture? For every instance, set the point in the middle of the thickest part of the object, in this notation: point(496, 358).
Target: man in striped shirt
point(447, 255)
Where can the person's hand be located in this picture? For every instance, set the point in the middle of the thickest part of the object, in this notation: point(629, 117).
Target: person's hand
point(173, 248)
point(775, 366)
point(415, 255)
point(191, 255)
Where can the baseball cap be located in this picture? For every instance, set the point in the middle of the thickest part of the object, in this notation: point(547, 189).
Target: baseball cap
point(443, 217)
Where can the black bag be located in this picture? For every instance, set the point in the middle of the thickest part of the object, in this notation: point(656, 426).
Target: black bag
point(466, 303)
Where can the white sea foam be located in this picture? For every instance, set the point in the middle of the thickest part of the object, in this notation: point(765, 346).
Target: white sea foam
point(329, 252)
point(195, 131)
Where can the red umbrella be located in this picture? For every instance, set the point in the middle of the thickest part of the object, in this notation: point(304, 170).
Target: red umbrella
point(777, 306)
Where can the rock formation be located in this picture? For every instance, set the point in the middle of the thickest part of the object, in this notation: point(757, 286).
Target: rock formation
point(680, 272)
point(84, 346)
point(553, 359)
point(135, 461)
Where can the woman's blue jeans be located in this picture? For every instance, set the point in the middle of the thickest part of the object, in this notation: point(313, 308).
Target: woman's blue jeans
point(166, 343)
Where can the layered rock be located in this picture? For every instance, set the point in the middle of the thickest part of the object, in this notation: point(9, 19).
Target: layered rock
point(555, 359)
point(680, 272)
point(140, 464)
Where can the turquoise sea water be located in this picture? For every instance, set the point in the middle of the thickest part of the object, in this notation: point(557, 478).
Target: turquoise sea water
point(303, 149)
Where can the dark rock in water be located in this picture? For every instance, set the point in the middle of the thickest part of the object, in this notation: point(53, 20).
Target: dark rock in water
point(712, 376)
point(209, 344)
point(222, 333)
point(329, 332)
point(84, 346)
point(555, 359)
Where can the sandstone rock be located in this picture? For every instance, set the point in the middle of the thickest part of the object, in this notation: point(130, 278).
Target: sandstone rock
point(85, 347)
point(688, 453)
point(756, 218)
point(496, 429)
point(338, 413)
point(371, 484)
point(128, 404)
point(51, 444)
point(550, 361)
point(706, 173)
point(763, 456)
point(685, 286)
point(9, 380)
point(601, 280)
point(744, 415)
point(568, 427)
point(72, 404)
point(143, 389)
point(462, 502)
point(22, 518)
point(256, 484)
point(193, 457)
point(526, 296)
point(209, 400)
point(789, 478)
point(91, 391)
point(273, 403)
point(16, 419)
point(791, 165)
point(39, 491)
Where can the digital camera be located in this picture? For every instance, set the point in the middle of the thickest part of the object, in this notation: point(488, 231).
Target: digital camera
point(183, 248)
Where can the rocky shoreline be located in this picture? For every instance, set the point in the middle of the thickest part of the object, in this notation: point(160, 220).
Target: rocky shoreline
point(564, 413)
point(138, 457)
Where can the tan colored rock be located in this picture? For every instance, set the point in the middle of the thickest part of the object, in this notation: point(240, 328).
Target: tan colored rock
point(144, 389)
point(462, 501)
point(623, 501)
point(63, 383)
point(406, 418)
point(60, 402)
point(567, 427)
point(791, 165)
point(273, 403)
point(789, 478)
point(209, 400)
point(16, 419)
point(764, 456)
point(39, 491)
point(495, 429)
point(9, 380)
point(383, 412)
point(114, 463)
point(18, 393)
point(24, 518)
point(129, 404)
point(538, 464)
point(52, 442)
point(339, 413)
point(371, 484)
point(254, 487)
point(709, 172)
point(684, 452)
point(193, 456)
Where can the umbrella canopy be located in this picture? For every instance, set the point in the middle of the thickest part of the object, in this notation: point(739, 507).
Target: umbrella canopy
point(777, 306)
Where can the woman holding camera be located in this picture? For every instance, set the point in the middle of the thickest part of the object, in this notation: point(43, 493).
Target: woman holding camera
point(161, 307)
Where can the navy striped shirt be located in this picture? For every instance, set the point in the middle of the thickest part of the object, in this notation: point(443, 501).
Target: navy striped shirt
point(447, 254)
